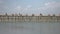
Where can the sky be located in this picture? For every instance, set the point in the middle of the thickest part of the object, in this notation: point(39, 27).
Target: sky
point(36, 7)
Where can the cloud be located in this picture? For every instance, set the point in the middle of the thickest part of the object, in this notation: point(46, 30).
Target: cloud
point(48, 8)
point(18, 8)
point(29, 6)
point(52, 4)
point(52, 7)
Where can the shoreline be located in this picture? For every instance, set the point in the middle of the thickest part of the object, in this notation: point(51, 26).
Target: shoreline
point(30, 18)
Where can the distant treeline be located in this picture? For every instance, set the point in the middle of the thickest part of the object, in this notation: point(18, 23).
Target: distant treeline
point(20, 17)
point(26, 15)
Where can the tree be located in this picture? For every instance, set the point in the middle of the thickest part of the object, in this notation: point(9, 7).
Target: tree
point(26, 14)
point(40, 14)
point(53, 14)
point(16, 14)
point(12, 14)
point(19, 14)
point(59, 14)
point(33, 15)
point(49, 15)
point(6, 14)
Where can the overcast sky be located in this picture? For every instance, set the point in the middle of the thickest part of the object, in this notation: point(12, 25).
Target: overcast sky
point(30, 6)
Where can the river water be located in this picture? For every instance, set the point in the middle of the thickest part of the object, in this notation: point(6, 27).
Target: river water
point(29, 27)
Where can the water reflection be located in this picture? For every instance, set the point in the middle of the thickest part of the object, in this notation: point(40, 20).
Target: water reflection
point(29, 28)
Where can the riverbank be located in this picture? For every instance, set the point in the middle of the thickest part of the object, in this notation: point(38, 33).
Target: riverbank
point(30, 18)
